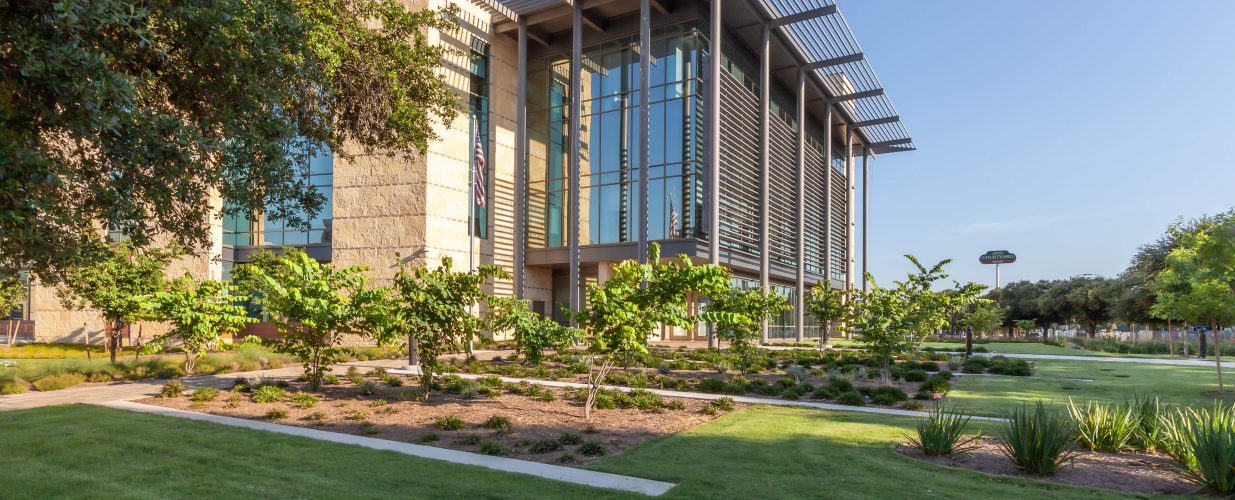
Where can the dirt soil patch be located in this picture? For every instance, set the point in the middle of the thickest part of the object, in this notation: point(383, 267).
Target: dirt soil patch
point(535, 424)
point(1132, 472)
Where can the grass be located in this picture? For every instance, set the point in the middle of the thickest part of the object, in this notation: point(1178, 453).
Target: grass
point(773, 452)
point(68, 443)
point(1057, 380)
point(1015, 348)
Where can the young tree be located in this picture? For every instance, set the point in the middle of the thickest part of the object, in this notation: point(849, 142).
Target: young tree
point(1198, 283)
point(739, 317)
point(829, 306)
point(436, 305)
point(882, 321)
point(927, 309)
point(313, 306)
point(200, 313)
point(1026, 326)
point(140, 111)
point(118, 284)
point(984, 318)
point(533, 334)
point(12, 296)
point(634, 301)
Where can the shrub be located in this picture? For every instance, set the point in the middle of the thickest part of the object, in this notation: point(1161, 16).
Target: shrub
point(498, 423)
point(268, 394)
point(676, 405)
point(939, 433)
point(393, 381)
point(915, 376)
point(330, 379)
point(304, 400)
point(275, 414)
point(316, 417)
point(566, 458)
point(840, 385)
point(1104, 426)
point(936, 384)
point(472, 439)
point(796, 372)
point(13, 386)
point(368, 429)
point(641, 399)
point(367, 387)
point(664, 368)
point(569, 439)
point(1202, 444)
point(923, 395)
point(171, 389)
point(205, 394)
point(711, 385)
point(449, 423)
point(491, 448)
point(356, 415)
point(913, 406)
point(1001, 365)
point(888, 395)
point(430, 437)
point(852, 398)
point(544, 446)
point(1036, 439)
point(234, 401)
point(1149, 412)
point(591, 449)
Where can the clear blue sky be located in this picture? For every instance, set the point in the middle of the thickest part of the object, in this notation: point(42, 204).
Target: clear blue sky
point(1067, 132)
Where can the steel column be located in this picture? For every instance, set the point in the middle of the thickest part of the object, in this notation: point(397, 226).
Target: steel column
point(645, 68)
point(866, 208)
point(827, 191)
point(521, 160)
point(765, 163)
point(849, 206)
point(713, 121)
point(799, 305)
point(576, 88)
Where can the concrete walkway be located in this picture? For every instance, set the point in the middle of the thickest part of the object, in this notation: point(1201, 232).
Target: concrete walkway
point(708, 396)
point(1208, 363)
point(547, 471)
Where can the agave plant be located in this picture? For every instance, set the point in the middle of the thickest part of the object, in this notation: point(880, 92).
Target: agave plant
point(1149, 411)
point(1037, 440)
point(940, 433)
point(1202, 444)
point(1104, 426)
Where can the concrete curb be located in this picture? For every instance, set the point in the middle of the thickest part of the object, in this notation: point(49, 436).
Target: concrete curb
point(555, 472)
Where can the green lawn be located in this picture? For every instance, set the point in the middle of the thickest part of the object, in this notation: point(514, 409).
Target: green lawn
point(764, 452)
point(1015, 348)
point(1057, 380)
point(84, 451)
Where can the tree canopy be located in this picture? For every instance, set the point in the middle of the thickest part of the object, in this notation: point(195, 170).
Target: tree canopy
point(131, 116)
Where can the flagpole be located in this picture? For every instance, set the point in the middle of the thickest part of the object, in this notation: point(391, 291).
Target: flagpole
point(471, 212)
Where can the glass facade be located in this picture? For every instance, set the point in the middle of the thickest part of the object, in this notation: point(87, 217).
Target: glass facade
point(242, 231)
point(478, 104)
point(609, 152)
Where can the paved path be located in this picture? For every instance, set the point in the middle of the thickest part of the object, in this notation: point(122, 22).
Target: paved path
point(1208, 363)
point(555, 472)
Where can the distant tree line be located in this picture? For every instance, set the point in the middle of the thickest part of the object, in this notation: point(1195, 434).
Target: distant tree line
point(1095, 302)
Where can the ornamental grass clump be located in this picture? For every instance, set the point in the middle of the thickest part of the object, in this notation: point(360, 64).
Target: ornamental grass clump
point(1104, 426)
point(1202, 444)
point(940, 433)
point(1037, 440)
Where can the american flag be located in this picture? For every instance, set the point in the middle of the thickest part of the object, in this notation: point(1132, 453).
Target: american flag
point(478, 177)
point(673, 218)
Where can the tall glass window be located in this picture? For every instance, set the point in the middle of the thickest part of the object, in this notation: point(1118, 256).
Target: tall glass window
point(242, 231)
point(609, 153)
point(478, 105)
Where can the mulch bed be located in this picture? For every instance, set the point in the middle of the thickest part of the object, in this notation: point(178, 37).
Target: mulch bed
point(385, 415)
point(1131, 472)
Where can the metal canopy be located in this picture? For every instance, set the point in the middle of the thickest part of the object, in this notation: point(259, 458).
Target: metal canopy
point(814, 31)
point(823, 40)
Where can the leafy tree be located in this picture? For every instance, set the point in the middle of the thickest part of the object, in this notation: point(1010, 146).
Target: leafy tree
point(436, 306)
point(119, 285)
point(1022, 300)
point(829, 306)
point(926, 309)
point(1026, 325)
point(985, 318)
point(883, 323)
point(313, 306)
point(141, 111)
point(200, 313)
point(1198, 283)
point(634, 301)
point(12, 296)
point(533, 334)
point(739, 317)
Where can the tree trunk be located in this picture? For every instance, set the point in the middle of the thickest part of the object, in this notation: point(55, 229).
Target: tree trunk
point(87, 332)
point(1170, 339)
point(413, 350)
point(13, 324)
point(1184, 337)
point(1218, 354)
point(137, 346)
point(595, 380)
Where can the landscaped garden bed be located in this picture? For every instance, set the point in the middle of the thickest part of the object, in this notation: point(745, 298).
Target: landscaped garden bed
point(524, 421)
